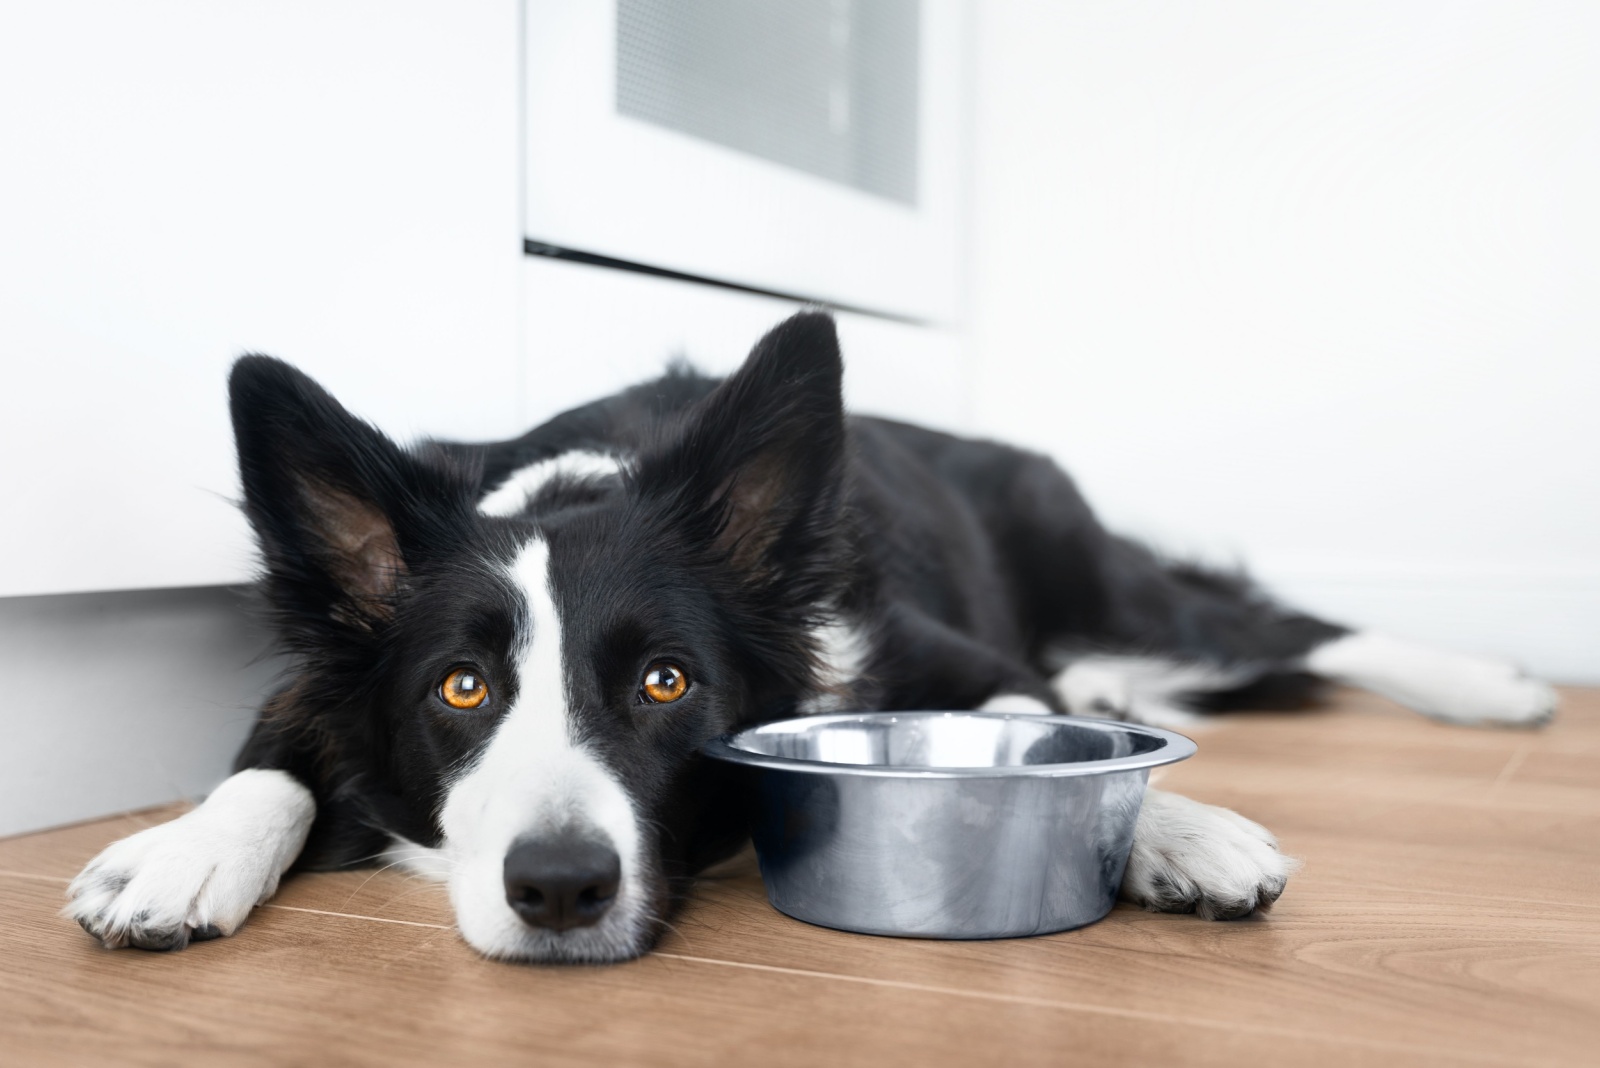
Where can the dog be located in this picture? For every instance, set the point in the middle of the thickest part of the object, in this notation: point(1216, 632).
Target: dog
point(506, 656)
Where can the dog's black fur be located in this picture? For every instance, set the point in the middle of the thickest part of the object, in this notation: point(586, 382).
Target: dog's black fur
point(752, 510)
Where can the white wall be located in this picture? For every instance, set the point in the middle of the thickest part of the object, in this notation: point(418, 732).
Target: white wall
point(1313, 286)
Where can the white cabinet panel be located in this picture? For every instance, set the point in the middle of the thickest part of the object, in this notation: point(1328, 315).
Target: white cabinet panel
point(590, 331)
point(183, 182)
point(607, 181)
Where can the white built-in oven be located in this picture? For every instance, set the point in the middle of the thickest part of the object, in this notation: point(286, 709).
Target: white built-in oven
point(808, 148)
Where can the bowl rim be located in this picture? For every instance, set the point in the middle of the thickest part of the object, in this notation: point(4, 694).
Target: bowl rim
point(1174, 747)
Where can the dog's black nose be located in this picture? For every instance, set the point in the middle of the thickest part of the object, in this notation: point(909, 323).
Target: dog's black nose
point(562, 882)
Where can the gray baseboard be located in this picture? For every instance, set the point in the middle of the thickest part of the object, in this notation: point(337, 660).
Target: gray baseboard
point(120, 700)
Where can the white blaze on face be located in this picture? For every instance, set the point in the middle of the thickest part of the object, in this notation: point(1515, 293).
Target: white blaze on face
point(534, 779)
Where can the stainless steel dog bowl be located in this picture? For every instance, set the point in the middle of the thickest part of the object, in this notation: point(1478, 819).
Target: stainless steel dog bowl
point(946, 824)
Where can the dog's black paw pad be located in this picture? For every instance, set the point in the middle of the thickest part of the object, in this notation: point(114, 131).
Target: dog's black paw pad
point(142, 934)
point(1213, 909)
point(1164, 895)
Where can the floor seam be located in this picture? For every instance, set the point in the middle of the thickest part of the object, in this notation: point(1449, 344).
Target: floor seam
point(30, 875)
point(1547, 902)
point(4, 873)
point(359, 916)
point(1512, 765)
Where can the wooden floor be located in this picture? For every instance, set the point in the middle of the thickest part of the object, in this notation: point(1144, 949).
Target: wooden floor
point(1448, 912)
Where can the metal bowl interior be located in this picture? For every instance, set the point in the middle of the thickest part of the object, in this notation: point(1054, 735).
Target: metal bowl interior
point(952, 744)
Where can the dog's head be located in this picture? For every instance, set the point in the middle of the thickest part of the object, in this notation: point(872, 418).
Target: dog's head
point(527, 692)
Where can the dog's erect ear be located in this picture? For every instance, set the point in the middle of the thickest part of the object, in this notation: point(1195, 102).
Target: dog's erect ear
point(341, 512)
point(756, 470)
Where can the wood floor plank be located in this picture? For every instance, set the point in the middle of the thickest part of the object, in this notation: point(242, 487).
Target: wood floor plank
point(299, 988)
point(1336, 957)
point(1446, 913)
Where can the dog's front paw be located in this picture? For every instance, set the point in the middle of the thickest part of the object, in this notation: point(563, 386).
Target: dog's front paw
point(1191, 857)
point(166, 887)
point(198, 876)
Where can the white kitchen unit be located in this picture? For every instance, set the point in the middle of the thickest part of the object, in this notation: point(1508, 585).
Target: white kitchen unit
point(345, 186)
point(335, 184)
point(589, 330)
point(812, 148)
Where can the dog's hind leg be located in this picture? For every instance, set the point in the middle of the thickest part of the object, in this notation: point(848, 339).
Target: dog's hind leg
point(1155, 690)
point(1234, 645)
point(198, 876)
point(1178, 640)
point(1123, 632)
point(1446, 686)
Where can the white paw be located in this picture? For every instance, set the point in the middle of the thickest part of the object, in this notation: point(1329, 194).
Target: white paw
point(198, 876)
point(1017, 704)
point(1192, 857)
point(1444, 685)
point(1489, 693)
point(1164, 715)
point(1091, 689)
point(1134, 689)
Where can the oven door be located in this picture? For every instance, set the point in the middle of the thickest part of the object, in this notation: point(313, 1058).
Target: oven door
point(810, 148)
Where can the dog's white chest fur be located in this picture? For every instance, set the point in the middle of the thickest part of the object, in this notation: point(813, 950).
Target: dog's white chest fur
point(843, 649)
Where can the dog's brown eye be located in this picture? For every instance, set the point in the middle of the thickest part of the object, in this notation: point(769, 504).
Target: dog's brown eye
point(464, 688)
point(664, 683)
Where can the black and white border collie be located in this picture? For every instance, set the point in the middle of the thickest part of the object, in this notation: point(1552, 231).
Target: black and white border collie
point(506, 656)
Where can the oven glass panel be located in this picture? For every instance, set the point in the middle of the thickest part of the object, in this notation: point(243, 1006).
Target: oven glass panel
point(828, 87)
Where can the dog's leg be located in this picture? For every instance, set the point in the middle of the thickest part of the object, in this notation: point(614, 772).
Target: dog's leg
point(1017, 704)
point(1446, 686)
point(198, 876)
point(1143, 689)
point(1190, 857)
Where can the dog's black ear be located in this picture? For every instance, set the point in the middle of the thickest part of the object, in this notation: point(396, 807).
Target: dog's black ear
point(341, 512)
point(756, 471)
